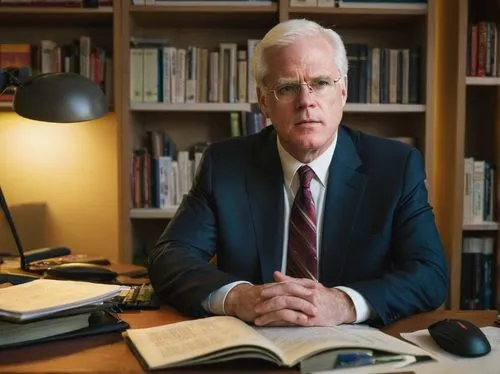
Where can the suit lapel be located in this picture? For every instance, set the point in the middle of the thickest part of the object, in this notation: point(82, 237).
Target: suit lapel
point(265, 198)
point(345, 188)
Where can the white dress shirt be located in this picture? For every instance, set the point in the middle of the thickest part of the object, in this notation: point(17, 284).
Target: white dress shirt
point(215, 301)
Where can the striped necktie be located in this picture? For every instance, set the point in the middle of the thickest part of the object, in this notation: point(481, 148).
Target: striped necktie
point(302, 261)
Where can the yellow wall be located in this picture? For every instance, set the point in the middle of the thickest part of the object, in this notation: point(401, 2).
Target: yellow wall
point(72, 168)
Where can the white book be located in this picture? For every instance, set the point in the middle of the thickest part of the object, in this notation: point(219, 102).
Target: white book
point(43, 297)
point(165, 187)
point(181, 76)
point(213, 77)
point(468, 172)
point(393, 76)
point(184, 171)
point(177, 185)
point(85, 56)
point(151, 78)
point(203, 74)
point(242, 76)
point(47, 48)
point(375, 78)
point(252, 90)
point(405, 76)
point(228, 72)
point(191, 75)
point(136, 75)
point(478, 192)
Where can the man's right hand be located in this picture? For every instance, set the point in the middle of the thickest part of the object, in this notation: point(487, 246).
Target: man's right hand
point(241, 301)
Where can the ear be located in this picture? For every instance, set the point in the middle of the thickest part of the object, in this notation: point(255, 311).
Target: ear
point(262, 99)
point(343, 87)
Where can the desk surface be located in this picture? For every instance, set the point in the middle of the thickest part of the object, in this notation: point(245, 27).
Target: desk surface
point(109, 353)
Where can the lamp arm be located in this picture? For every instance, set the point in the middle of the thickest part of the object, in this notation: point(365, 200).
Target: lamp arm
point(10, 222)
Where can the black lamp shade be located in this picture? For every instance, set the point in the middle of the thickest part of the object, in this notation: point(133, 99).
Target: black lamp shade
point(60, 97)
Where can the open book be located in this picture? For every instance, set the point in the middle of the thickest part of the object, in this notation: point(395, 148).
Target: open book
point(45, 297)
point(222, 338)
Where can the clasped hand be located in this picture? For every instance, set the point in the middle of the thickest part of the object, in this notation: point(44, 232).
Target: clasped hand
point(290, 301)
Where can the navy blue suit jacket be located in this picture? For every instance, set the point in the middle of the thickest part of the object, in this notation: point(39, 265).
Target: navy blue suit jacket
point(379, 235)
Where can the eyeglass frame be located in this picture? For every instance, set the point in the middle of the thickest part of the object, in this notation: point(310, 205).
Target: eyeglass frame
point(307, 84)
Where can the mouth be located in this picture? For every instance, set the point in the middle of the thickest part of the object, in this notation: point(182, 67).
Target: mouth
point(306, 122)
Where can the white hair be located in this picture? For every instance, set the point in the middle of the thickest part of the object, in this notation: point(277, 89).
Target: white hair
point(287, 32)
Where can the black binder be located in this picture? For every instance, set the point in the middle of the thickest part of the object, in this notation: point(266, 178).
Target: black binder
point(100, 322)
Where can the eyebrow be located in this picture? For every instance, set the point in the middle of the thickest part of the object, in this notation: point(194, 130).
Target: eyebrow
point(282, 81)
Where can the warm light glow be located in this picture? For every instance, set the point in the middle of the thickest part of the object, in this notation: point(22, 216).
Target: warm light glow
point(72, 167)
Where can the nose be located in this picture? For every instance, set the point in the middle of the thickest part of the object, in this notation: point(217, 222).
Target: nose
point(306, 96)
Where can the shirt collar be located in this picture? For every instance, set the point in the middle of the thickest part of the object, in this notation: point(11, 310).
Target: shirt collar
point(320, 165)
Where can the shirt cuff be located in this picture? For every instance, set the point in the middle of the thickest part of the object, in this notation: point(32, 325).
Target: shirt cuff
point(214, 303)
point(361, 306)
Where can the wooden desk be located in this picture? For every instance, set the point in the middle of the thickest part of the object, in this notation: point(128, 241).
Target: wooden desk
point(109, 353)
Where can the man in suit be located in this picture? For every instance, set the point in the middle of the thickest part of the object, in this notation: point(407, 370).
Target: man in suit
point(312, 223)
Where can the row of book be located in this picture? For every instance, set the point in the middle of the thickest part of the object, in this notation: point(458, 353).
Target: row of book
point(80, 57)
point(247, 123)
point(160, 174)
point(383, 75)
point(476, 285)
point(479, 188)
point(193, 74)
point(482, 50)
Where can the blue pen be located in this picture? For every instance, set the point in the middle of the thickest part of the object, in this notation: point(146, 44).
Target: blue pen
point(355, 358)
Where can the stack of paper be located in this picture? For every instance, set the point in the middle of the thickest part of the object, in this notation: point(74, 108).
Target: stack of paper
point(43, 297)
point(44, 308)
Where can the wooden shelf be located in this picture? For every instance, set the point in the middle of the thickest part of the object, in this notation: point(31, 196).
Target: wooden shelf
point(153, 213)
point(220, 16)
point(384, 108)
point(194, 107)
point(485, 226)
point(361, 17)
point(482, 81)
point(245, 107)
point(36, 16)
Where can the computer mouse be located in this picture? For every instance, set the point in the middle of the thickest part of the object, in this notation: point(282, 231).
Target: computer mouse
point(81, 271)
point(460, 337)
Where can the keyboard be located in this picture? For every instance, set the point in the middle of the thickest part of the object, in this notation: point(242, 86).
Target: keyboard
point(137, 297)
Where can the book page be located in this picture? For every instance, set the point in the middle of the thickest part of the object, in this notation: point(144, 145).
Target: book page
point(181, 343)
point(297, 343)
point(44, 296)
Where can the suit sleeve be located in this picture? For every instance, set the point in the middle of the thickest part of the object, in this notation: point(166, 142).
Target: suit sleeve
point(418, 278)
point(179, 267)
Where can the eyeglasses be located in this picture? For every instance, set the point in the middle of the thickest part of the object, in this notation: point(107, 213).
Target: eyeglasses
point(321, 87)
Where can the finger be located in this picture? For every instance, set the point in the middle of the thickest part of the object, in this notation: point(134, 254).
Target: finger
point(282, 317)
point(285, 288)
point(286, 302)
point(280, 277)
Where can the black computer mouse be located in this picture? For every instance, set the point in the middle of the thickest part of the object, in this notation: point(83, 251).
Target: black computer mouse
point(460, 337)
point(81, 271)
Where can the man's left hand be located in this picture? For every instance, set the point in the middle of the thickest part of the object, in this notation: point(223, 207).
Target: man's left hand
point(280, 305)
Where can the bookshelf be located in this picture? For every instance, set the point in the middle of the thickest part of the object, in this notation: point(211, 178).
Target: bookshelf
point(469, 118)
point(186, 124)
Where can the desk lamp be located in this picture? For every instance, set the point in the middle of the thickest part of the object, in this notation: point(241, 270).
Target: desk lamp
point(53, 97)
